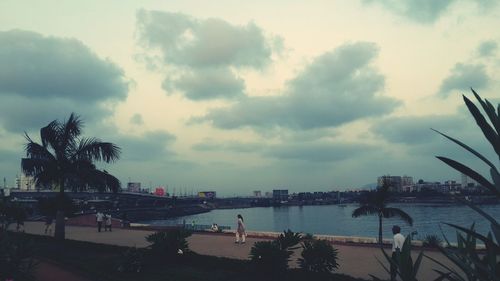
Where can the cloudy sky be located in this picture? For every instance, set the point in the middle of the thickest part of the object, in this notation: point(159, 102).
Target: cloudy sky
point(236, 96)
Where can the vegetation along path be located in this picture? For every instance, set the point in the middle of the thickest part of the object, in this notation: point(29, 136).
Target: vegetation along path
point(356, 261)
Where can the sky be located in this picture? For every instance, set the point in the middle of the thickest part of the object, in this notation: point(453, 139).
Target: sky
point(236, 96)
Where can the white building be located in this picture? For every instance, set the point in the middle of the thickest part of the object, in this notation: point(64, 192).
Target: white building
point(25, 182)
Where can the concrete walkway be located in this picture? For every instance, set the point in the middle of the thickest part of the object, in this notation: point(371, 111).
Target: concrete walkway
point(356, 261)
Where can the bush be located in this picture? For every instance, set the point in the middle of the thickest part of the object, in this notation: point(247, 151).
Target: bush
point(288, 239)
point(269, 257)
point(432, 241)
point(131, 260)
point(272, 257)
point(16, 257)
point(318, 256)
point(167, 244)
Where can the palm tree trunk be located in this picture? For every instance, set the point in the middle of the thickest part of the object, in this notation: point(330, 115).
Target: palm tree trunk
point(380, 230)
point(59, 233)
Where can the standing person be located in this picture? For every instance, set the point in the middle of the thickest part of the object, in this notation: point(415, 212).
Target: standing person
point(48, 224)
point(108, 222)
point(99, 217)
point(397, 246)
point(240, 230)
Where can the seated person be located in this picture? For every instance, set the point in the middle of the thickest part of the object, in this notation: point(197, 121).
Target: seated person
point(215, 227)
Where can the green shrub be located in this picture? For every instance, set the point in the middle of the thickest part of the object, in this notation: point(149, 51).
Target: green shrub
point(131, 260)
point(16, 257)
point(318, 256)
point(432, 241)
point(288, 239)
point(168, 243)
point(272, 257)
point(268, 257)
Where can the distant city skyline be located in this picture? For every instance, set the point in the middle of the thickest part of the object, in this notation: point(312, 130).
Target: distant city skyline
point(235, 96)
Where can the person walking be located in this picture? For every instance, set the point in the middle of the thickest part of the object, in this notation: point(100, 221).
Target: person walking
point(240, 230)
point(48, 224)
point(108, 222)
point(397, 245)
point(100, 218)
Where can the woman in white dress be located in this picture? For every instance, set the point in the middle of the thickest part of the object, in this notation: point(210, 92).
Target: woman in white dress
point(240, 230)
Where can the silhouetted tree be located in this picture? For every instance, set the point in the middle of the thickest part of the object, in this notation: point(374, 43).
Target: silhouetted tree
point(376, 204)
point(64, 160)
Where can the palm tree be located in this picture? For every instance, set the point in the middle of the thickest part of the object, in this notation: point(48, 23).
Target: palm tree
point(376, 204)
point(64, 160)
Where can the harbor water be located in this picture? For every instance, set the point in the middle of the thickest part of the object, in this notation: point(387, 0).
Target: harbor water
point(337, 219)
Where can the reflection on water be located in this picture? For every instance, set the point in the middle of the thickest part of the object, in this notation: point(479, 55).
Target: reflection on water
point(281, 218)
point(337, 220)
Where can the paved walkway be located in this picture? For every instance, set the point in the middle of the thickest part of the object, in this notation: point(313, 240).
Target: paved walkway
point(357, 261)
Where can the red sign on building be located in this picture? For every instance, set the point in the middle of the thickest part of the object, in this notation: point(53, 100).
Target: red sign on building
point(160, 191)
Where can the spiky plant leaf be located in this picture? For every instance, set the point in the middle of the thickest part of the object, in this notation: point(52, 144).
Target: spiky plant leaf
point(474, 234)
point(496, 178)
point(468, 148)
point(490, 111)
point(469, 172)
point(485, 127)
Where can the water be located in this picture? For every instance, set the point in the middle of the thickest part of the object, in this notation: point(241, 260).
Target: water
point(337, 220)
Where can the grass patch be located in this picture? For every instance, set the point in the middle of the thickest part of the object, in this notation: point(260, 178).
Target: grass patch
point(100, 262)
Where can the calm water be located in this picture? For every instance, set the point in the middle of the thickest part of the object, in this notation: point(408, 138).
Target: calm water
point(337, 220)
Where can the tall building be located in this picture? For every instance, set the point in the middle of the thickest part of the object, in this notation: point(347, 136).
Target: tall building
point(134, 187)
point(467, 181)
point(395, 183)
point(26, 182)
point(406, 180)
point(257, 193)
point(280, 194)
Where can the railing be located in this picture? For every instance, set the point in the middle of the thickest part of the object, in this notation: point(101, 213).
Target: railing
point(202, 227)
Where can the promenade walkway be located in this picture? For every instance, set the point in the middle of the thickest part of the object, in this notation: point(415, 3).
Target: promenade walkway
point(357, 261)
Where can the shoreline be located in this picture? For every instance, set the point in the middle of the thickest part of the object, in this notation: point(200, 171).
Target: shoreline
point(356, 241)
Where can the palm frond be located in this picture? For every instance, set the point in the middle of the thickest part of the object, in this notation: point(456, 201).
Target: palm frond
point(95, 150)
point(49, 136)
point(395, 212)
point(70, 130)
point(37, 151)
point(365, 210)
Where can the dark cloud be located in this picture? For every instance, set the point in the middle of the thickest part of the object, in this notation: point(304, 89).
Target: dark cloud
point(10, 162)
point(463, 77)
point(420, 141)
point(205, 51)
point(336, 88)
point(19, 114)
point(11, 156)
point(152, 146)
point(423, 11)
point(207, 83)
point(41, 67)
point(231, 146)
point(46, 78)
point(184, 40)
point(136, 119)
point(317, 151)
point(416, 129)
point(310, 151)
point(487, 48)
